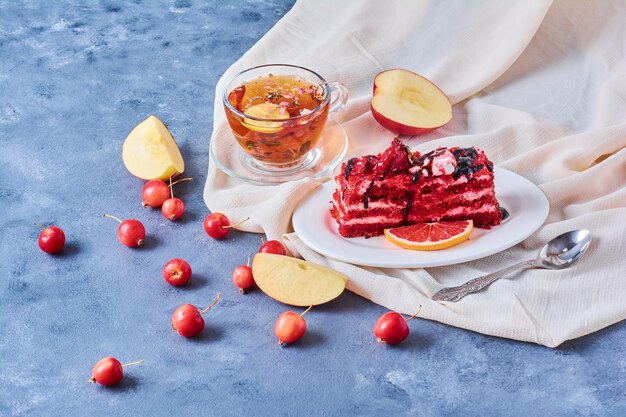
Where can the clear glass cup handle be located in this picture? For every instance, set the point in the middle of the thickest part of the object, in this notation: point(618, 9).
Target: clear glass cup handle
point(338, 96)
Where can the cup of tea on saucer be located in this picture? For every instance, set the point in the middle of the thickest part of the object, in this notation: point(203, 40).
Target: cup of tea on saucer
point(277, 114)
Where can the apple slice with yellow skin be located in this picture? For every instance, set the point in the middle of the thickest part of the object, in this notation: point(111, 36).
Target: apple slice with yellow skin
point(150, 152)
point(296, 282)
point(265, 111)
point(408, 104)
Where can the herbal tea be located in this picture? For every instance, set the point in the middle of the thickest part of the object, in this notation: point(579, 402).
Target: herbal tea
point(284, 122)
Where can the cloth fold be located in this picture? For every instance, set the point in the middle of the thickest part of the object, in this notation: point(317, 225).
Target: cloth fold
point(538, 85)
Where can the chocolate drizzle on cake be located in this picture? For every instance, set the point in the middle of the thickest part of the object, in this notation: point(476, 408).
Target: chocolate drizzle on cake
point(366, 196)
point(430, 156)
point(421, 163)
point(349, 166)
point(504, 212)
point(425, 163)
point(462, 154)
point(465, 157)
point(406, 210)
point(371, 159)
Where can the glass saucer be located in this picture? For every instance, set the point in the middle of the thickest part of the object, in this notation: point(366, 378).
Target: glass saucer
point(320, 162)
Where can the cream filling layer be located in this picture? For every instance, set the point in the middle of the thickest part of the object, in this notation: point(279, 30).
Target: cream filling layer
point(387, 219)
point(371, 220)
point(465, 197)
point(365, 183)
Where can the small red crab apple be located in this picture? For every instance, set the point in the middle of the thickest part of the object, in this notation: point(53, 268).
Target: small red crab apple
point(392, 328)
point(173, 208)
point(188, 321)
point(130, 232)
point(242, 277)
point(217, 225)
point(109, 371)
point(272, 246)
point(51, 239)
point(290, 327)
point(154, 193)
point(177, 272)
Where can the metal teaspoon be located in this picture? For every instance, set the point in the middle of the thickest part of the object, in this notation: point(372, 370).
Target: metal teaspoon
point(559, 253)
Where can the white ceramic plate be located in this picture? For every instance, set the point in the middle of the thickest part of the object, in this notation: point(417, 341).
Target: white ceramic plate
point(525, 202)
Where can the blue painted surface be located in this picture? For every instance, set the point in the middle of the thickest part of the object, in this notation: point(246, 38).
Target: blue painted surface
point(75, 77)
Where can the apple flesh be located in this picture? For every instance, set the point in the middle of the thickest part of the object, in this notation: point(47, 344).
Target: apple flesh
point(150, 152)
point(294, 281)
point(265, 111)
point(408, 104)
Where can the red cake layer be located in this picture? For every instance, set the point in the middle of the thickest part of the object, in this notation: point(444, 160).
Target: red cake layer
point(398, 187)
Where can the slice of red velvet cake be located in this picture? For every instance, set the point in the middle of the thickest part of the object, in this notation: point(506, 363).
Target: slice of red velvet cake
point(399, 187)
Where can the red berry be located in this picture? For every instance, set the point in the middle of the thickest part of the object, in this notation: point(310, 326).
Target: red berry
point(217, 225)
point(242, 277)
point(289, 327)
point(107, 371)
point(154, 193)
point(130, 232)
point(173, 208)
point(273, 246)
point(51, 239)
point(177, 272)
point(391, 328)
point(187, 320)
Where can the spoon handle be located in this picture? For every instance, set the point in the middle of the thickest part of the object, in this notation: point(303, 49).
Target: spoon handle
point(454, 294)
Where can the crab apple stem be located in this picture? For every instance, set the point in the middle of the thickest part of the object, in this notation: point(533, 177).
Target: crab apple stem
point(38, 225)
point(248, 264)
point(281, 343)
point(306, 311)
point(212, 304)
point(132, 363)
point(180, 180)
point(236, 224)
point(92, 380)
point(415, 315)
point(171, 189)
point(262, 240)
point(112, 217)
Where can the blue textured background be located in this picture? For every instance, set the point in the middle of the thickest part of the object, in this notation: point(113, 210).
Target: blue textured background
point(75, 77)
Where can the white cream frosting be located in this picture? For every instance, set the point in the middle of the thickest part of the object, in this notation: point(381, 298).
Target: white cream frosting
point(443, 164)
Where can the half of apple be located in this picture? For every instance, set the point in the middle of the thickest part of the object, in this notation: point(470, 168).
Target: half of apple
point(295, 281)
point(150, 152)
point(408, 104)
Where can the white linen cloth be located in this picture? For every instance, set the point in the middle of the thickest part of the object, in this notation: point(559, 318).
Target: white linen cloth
point(539, 85)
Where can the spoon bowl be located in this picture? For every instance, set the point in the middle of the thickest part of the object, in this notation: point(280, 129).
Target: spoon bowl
point(564, 249)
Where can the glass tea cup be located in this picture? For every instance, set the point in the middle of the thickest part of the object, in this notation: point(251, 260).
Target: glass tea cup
point(277, 114)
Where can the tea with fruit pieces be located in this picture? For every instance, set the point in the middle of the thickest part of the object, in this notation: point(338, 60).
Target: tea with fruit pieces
point(285, 120)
